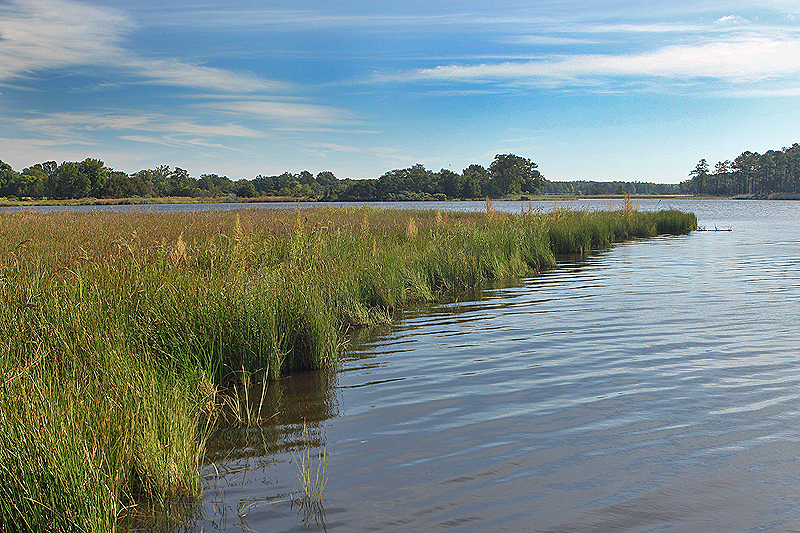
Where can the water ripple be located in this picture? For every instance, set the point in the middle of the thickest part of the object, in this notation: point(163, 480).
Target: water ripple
point(654, 386)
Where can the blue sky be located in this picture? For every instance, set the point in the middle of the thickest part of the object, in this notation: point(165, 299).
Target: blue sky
point(597, 90)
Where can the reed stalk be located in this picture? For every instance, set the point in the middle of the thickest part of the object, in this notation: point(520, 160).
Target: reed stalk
point(312, 480)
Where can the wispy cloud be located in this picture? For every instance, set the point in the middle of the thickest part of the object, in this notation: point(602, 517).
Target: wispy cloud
point(69, 128)
point(176, 73)
point(42, 35)
point(287, 112)
point(175, 142)
point(41, 39)
point(549, 40)
point(367, 19)
point(68, 123)
point(744, 59)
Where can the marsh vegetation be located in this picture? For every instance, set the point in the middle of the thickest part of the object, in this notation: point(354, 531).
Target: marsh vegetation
point(121, 333)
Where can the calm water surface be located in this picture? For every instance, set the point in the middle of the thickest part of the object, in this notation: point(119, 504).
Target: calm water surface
point(654, 386)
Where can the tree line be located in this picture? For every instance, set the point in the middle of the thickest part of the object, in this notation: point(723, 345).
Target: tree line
point(508, 174)
point(604, 188)
point(775, 172)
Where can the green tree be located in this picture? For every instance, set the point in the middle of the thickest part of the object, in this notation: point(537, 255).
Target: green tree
point(475, 182)
point(214, 185)
point(121, 185)
point(331, 187)
point(33, 182)
point(70, 182)
point(264, 185)
point(156, 179)
point(745, 168)
point(95, 173)
point(244, 188)
point(700, 176)
point(8, 180)
point(361, 191)
point(178, 183)
point(512, 174)
point(451, 183)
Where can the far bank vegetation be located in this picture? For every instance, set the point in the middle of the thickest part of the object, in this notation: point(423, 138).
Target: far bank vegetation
point(773, 174)
point(508, 175)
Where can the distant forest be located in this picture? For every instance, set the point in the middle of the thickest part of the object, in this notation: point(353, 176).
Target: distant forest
point(509, 175)
point(771, 174)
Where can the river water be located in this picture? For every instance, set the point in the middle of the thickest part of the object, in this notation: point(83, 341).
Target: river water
point(653, 386)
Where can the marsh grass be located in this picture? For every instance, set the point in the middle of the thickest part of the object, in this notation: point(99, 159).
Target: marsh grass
point(117, 331)
point(312, 476)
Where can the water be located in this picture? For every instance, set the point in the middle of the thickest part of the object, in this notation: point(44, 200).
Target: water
point(653, 386)
point(509, 206)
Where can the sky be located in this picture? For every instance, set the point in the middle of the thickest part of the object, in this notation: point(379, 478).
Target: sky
point(589, 90)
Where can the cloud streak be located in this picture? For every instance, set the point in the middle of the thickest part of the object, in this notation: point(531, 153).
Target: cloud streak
point(297, 113)
point(748, 59)
point(42, 35)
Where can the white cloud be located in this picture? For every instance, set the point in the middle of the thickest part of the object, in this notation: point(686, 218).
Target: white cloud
point(729, 19)
point(171, 141)
point(43, 34)
point(285, 111)
point(149, 139)
point(180, 74)
point(323, 149)
point(549, 40)
point(746, 59)
point(40, 35)
point(70, 128)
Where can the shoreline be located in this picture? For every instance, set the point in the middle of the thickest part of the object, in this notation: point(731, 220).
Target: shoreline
point(291, 199)
point(119, 331)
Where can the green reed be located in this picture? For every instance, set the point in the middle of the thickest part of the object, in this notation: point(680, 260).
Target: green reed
point(118, 330)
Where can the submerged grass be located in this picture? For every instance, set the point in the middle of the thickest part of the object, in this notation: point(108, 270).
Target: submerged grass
point(312, 481)
point(117, 330)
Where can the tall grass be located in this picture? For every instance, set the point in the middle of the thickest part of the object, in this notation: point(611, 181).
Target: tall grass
point(117, 330)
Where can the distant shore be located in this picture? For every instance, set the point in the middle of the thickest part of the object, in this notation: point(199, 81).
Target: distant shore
point(5, 202)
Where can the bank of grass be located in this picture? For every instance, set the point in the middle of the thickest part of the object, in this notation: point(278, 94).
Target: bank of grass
point(117, 330)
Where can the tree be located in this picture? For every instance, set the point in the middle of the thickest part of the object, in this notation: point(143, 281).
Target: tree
point(360, 191)
point(287, 184)
point(700, 176)
point(214, 185)
point(176, 183)
point(475, 182)
point(512, 174)
point(9, 180)
point(451, 183)
point(36, 181)
point(120, 185)
point(244, 188)
point(331, 187)
point(155, 179)
point(264, 185)
point(745, 167)
point(305, 178)
point(95, 173)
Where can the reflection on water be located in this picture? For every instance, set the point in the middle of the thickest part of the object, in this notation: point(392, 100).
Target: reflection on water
point(292, 419)
point(653, 386)
point(285, 406)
